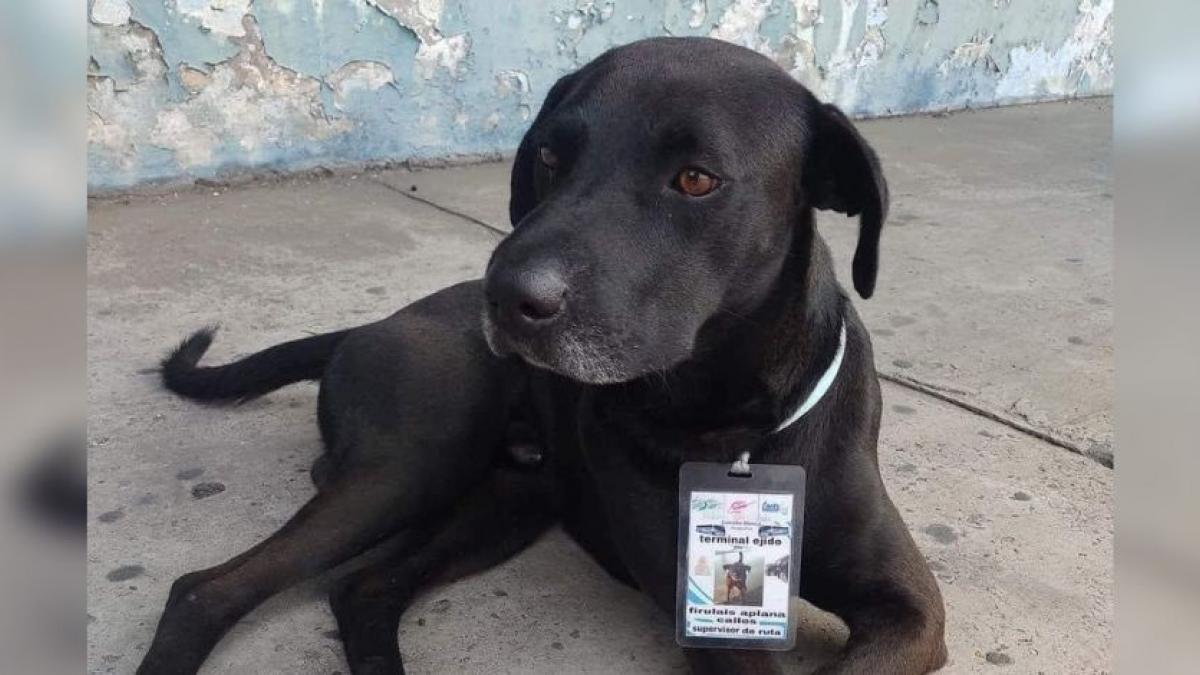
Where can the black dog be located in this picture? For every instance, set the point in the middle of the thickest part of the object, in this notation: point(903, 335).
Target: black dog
point(664, 297)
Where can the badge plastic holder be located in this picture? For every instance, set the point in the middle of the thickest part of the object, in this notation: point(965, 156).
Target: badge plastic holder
point(740, 532)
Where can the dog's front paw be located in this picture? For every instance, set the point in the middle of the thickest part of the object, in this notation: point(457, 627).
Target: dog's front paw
point(170, 655)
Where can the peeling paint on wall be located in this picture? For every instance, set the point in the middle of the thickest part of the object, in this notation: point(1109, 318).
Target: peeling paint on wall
point(576, 22)
point(797, 52)
point(740, 23)
point(1085, 58)
point(928, 13)
point(180, 89)
point(436, 50)
point(358, 76)
point(118, 110)
point(111, 12)
point(250, 101)
point(844, 75)
point(971, 54)
point(699, 12)
point(240, 105)
point(448, 53)
point(515, 83)
point(222, 17)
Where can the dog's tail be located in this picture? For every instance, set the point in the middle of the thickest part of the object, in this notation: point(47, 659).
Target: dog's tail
point(249, 377)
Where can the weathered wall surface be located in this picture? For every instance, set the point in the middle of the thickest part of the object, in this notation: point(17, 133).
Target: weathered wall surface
point(181, 89)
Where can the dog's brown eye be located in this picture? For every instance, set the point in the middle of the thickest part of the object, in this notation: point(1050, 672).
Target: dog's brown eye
point(695, 183)
point(547, 156)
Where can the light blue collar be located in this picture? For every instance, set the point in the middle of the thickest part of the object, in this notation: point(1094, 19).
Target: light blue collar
point(822, 385)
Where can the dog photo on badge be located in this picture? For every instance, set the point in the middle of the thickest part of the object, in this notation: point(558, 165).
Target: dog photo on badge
point(739, 579)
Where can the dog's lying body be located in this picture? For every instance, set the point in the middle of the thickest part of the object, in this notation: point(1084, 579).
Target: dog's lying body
point(666, 282)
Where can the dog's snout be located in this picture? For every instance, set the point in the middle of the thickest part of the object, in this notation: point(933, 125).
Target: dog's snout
point(527, 297)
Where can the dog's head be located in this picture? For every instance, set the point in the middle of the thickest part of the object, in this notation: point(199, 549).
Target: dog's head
point(660, 186)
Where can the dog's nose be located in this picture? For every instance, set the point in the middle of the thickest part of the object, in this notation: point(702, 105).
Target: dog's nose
point(528, 297)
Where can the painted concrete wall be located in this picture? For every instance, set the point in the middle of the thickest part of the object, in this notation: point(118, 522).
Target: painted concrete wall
point(180, 89)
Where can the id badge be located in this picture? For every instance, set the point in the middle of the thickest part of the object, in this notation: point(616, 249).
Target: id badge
point(739, 555)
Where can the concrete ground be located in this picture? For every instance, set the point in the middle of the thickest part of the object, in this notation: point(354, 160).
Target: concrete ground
point(992, 324)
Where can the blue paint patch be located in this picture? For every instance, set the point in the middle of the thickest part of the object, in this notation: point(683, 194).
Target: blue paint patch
point(317, 44)
point(181, 39)
point(778, 23)
point(109, 54)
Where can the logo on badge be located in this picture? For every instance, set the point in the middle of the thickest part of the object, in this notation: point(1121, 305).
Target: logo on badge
point(774, 508)
point(741, 510)
point(705, 504)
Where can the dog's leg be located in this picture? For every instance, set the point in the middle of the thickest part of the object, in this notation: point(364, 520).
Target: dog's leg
point(361, 508)
point(889, 599)
point(500, 518)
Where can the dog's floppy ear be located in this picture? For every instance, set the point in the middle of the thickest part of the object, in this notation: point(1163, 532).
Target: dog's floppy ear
point(523, 195)
point(842, 173)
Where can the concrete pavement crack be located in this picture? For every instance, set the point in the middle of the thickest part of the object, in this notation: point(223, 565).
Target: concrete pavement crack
point(472, 219)
point(929, 390)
